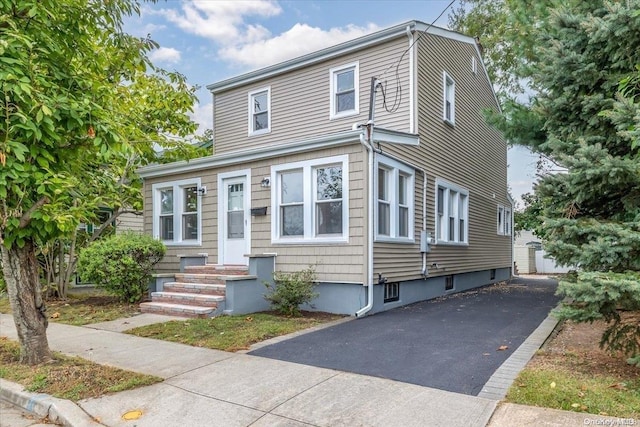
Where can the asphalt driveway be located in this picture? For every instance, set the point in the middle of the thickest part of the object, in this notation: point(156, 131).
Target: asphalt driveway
point(451, 343)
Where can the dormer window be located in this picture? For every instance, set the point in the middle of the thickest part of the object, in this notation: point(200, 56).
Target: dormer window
point(260, 111)
point(344, 91)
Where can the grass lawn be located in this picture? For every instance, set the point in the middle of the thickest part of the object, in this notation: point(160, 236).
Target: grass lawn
point(572, 373)
point(67, 377)
point(232, 333)
point(83, 309)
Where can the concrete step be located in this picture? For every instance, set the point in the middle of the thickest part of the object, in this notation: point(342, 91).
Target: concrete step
point(195, 288)
point(224, 270)
point(187, 298)
point(200, 278)
point(181, 310)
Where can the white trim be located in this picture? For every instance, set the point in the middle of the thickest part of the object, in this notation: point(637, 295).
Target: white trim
point(333, 72)
point(394, 168)
point(308, 167)
point(250, 111)
point(248, 155)
point(213, 122)
point(442, 229)
point(178, 199)
point(413, 86)
point(390, 136)
point(448, 82)
point(350, 46)
point(267, 151)
point(244, 173)
point(504, 221)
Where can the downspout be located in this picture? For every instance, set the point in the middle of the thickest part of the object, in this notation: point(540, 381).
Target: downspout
point(366, 139)
point(425, 271)
point(369, 269)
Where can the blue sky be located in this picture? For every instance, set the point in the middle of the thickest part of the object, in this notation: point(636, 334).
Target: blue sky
point(210, 40)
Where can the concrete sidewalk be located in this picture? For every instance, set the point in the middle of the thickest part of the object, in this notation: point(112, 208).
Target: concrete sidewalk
point(214, 388)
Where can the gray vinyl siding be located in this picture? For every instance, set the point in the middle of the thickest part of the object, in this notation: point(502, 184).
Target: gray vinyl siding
point(129, 222)
point(300, 100)
point(470, 155)
point(333, 262)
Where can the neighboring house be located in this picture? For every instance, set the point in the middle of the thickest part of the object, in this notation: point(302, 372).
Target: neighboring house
point(417, 203)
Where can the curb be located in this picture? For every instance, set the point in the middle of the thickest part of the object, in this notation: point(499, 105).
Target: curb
point(498, 385)
point(58, 410)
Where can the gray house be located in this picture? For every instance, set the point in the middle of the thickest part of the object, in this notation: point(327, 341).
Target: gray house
point(370, 160)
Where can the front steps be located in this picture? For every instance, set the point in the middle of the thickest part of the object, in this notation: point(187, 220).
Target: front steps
point(199, 291)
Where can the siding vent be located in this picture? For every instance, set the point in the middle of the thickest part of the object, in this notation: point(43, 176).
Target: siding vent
point(474, 65)
point(448, 283)
point(391, 292)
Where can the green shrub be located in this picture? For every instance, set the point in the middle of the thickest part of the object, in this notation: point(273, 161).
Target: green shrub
point(121, 264)
point(290, 290)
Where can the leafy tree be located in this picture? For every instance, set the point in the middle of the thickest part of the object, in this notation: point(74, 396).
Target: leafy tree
point(530, 217)
point(80, 106)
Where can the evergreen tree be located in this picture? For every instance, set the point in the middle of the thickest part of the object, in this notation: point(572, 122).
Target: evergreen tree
point(586, 77)
point(582, 62)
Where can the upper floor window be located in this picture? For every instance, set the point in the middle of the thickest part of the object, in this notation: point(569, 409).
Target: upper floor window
point(452, 213)
point(394, 196)
point(310, 201)
point(177, 212)
point(260, 111)
point(449, 97)
point(344, 91)
point(504, 220)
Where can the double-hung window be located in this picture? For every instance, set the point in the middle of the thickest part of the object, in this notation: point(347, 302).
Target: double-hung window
point(452, 213)
point(449, 99)
point(504, 221)
point(394, 197)
point(177, 212)
point(344, 91)
point(310, 201)
point(260, 111)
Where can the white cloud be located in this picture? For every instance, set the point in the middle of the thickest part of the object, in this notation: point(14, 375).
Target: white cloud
point(251, 45)
point(203, 115)
point(223, 21)
point(297, 41)
point(167, 55)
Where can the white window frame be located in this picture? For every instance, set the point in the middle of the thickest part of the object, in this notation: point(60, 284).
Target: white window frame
point(333, 78)
point(251, 97)
point(448, 95)
point(178, 210)
point(309, 168)
point(442, 227)
point(394, 170)
point(504, 220)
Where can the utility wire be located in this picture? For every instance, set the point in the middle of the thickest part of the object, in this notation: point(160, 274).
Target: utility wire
point(397, 100)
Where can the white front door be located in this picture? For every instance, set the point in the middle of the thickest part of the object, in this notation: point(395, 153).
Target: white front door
point(234, 219)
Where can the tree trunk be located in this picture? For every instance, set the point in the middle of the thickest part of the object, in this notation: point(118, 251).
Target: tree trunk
point(20, 269)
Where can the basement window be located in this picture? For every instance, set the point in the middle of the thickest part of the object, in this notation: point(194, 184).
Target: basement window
point(448, 283)
point(391, 292)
